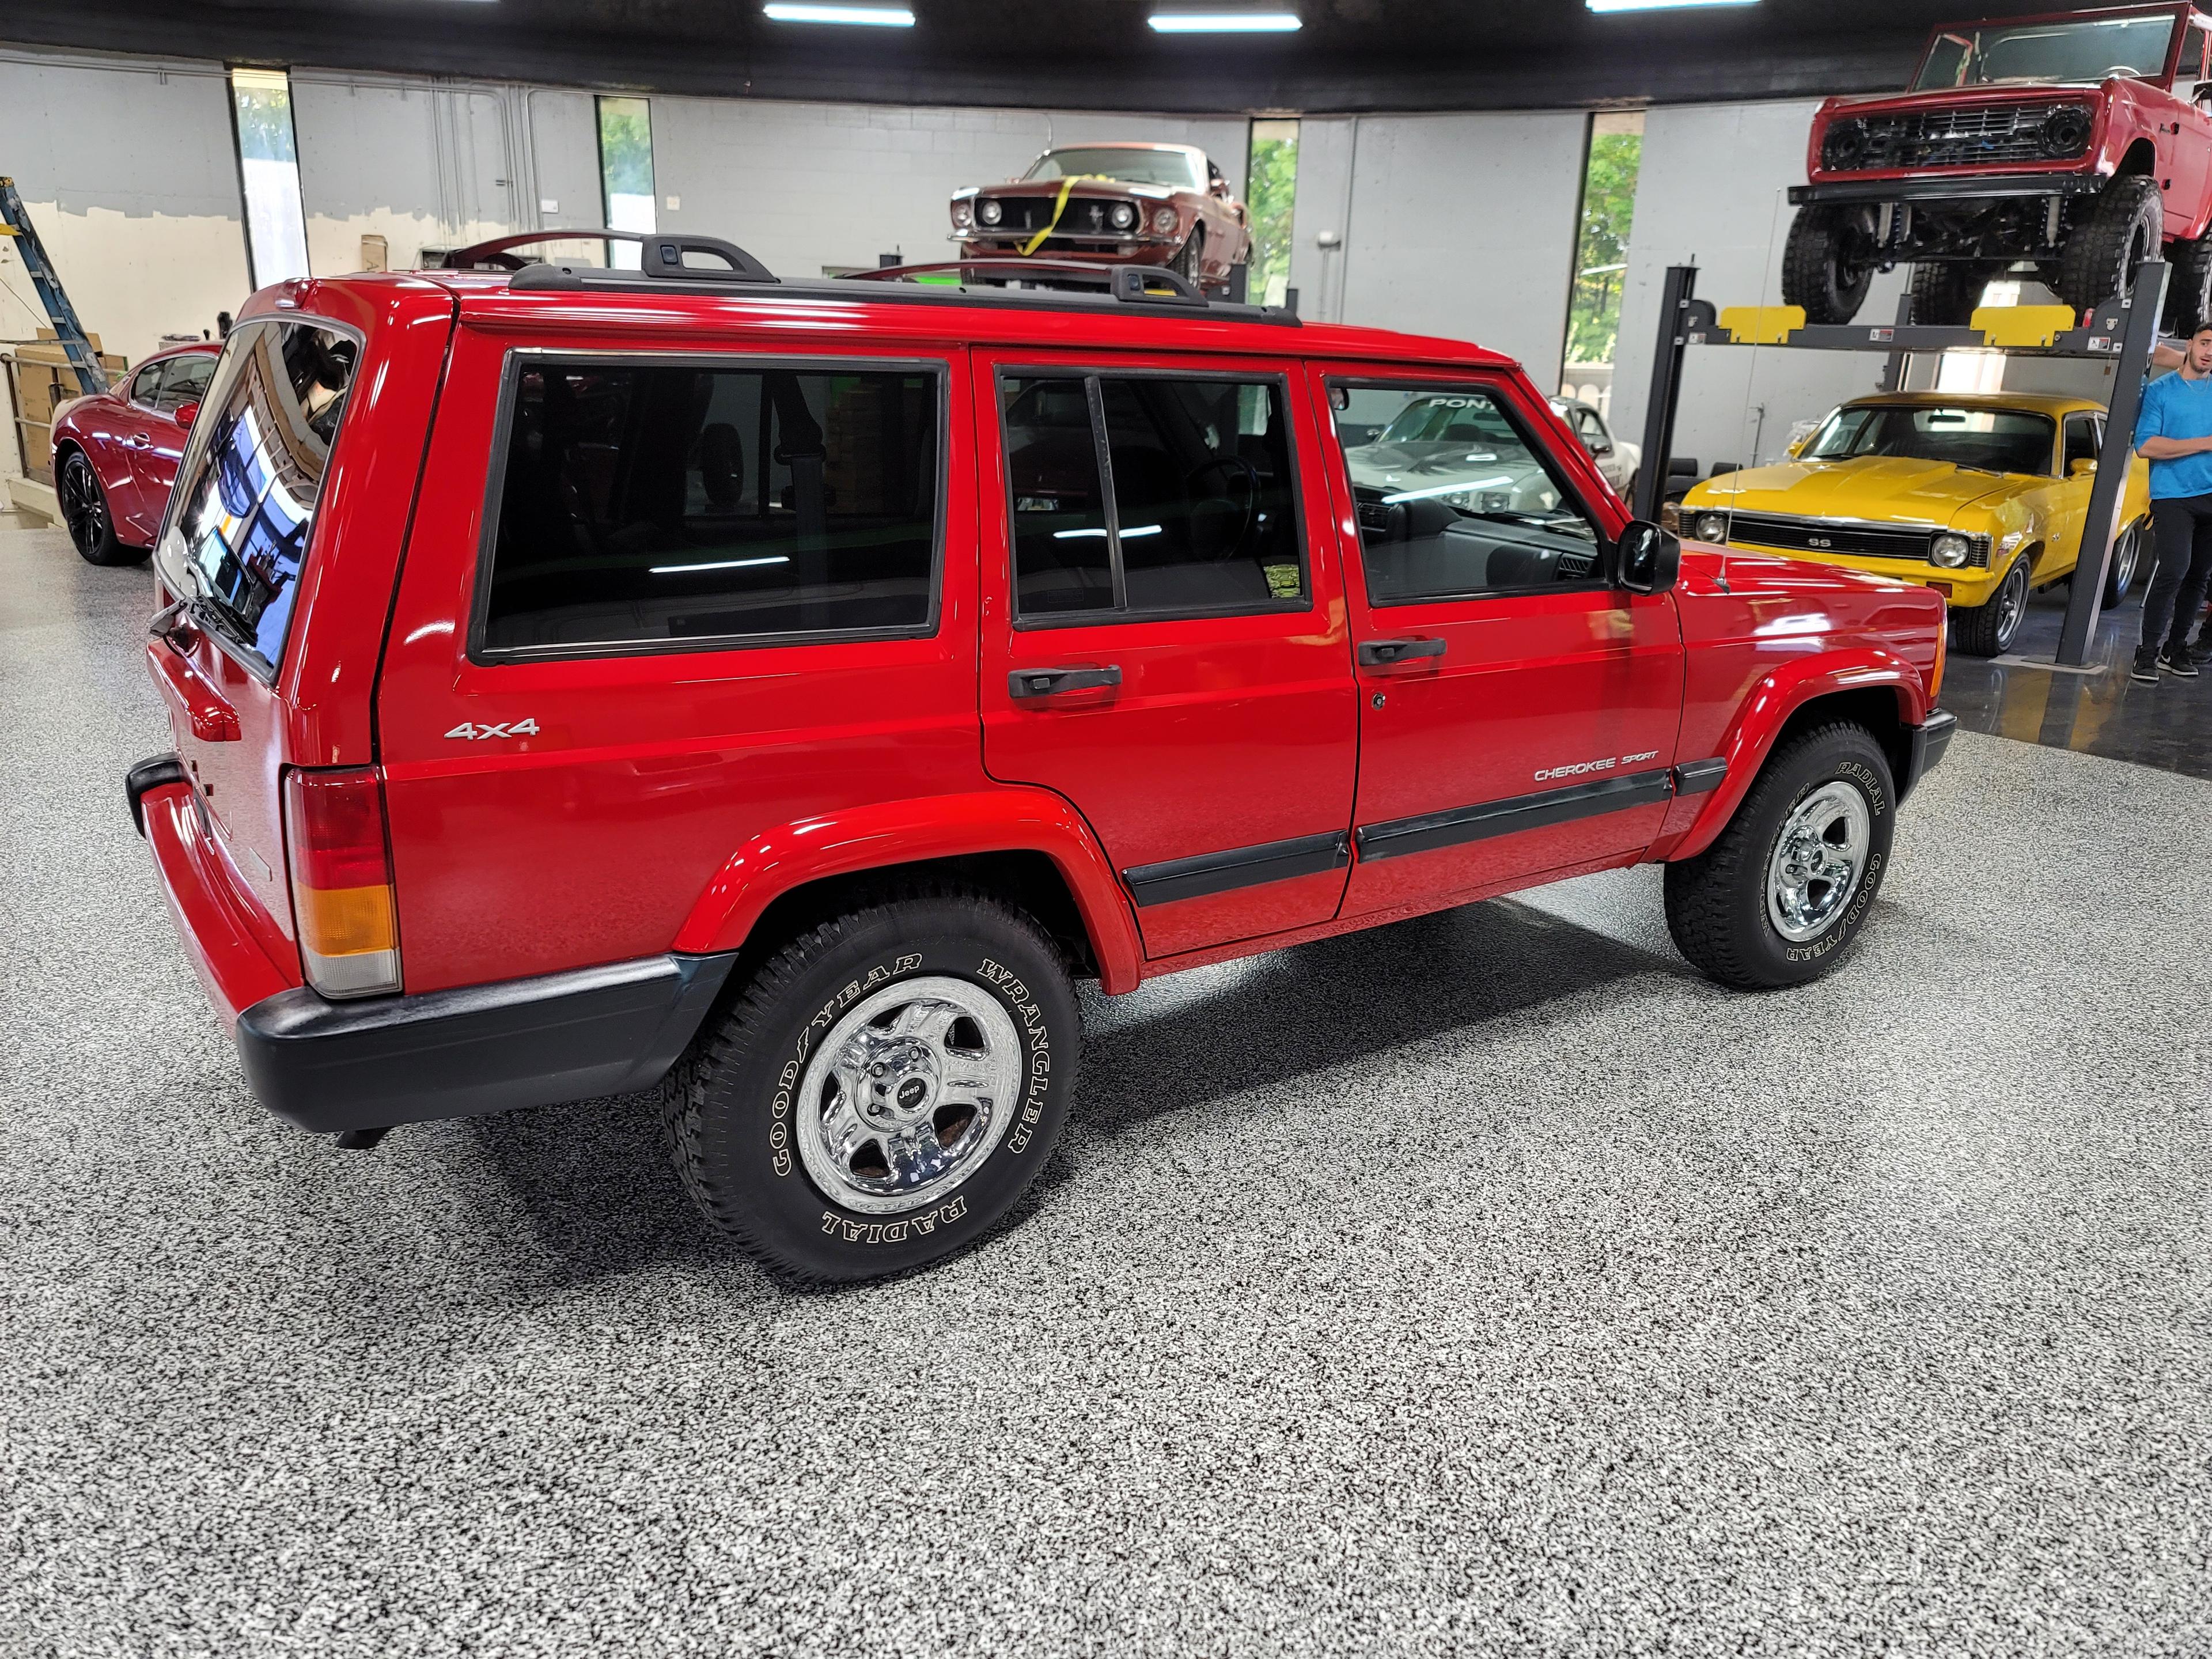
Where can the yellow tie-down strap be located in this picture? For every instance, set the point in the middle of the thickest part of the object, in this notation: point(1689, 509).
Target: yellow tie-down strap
point(1762, 325)
point(2022, 326)
point(1058, 208)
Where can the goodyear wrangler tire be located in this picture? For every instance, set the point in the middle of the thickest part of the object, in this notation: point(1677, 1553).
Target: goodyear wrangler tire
point(1783, 893)
point(1826, 265)
point(885, 1089)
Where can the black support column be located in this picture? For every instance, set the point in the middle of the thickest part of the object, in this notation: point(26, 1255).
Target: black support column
point(2100, 526)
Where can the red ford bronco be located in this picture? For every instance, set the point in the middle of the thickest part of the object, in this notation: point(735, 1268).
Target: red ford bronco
point(2075, 144)
point(777, 696)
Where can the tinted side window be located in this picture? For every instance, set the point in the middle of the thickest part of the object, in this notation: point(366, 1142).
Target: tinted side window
point(146, 385)
point(246, 497)
point(188, 379)
point(2081, 440)
point(1198, 513)
point(646, 503)
point(1455, 500)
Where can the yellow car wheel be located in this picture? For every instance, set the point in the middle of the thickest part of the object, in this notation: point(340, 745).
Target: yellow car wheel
point(1990, 629)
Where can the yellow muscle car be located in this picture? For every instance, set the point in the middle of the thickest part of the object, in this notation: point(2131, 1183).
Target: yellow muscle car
point(1981, 496)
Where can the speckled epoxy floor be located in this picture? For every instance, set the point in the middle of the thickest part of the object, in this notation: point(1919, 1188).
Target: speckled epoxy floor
point(1487, 1283)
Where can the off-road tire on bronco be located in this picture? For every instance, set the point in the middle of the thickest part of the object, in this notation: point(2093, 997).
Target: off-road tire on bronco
point(2122, 231)
point(1944, 296)
point(1822, 267)
point(738, 1106)
point(1718, 902)
point(2189, 285)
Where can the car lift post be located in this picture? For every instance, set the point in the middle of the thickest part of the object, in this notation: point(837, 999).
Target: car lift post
point(1676, 294)
point(2120, 332)
point(2087, 597)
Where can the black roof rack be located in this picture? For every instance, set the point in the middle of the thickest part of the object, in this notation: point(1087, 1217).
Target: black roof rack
point(660, 256)
point(984, 282)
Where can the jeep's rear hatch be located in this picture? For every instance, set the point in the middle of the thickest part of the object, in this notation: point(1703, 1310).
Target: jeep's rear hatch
point(277, 561)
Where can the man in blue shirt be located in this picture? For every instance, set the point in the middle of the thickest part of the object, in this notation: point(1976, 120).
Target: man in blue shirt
point(2174, 434)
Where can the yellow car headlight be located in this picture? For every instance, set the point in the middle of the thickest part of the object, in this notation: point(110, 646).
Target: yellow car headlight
point(1710, 527)
point(1950, 551)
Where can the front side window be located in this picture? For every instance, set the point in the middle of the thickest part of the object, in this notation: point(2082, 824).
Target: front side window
point(1454, 499)
point(1985, 440)
point(651, 504)
point(237, 532)
point(146, 386)
point(1151, 495)
point(2082, 441)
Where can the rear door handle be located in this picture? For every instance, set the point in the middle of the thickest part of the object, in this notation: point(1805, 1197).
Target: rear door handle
point(1051, 682)
point(1381, 654)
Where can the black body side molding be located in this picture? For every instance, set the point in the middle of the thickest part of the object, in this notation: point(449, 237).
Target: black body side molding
point(1398, 836)
point(1241, 867)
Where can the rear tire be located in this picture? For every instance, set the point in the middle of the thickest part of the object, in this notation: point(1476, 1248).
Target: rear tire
point(85, 512)
point(1745, 911)
point(822, 1124)
point(2127, 563)
point(2189, 285)
point(1945, 295)
point(1990, 629)
point(1825, 267)
point(2101, 256)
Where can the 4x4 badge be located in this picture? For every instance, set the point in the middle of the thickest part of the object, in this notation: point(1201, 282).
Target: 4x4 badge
point(522, 728)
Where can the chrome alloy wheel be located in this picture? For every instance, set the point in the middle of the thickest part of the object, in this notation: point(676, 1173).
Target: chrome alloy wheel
point(1818, 860)
point(908, 1095)
point(2011, 603)
point(84, 509)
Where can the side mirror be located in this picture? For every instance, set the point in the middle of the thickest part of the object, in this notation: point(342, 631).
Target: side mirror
point(1798, 448)
point(2201, 91)
point(1646, 559)
point(185, 413)
point(2082, 467)
point(1599, 447)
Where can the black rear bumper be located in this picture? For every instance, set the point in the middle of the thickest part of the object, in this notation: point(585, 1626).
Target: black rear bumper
point(1929, 741)
point(384, 1060)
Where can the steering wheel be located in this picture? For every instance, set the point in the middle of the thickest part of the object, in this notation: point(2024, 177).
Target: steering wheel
point(1229, 466)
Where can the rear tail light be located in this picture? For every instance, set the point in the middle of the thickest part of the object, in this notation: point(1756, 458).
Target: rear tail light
point(341, 890)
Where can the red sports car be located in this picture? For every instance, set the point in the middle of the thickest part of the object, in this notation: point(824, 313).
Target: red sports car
point(116, 453)
point(1138, 204)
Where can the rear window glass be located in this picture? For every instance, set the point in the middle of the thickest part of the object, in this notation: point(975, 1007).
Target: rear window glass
point(238, 530)
point(647, 505)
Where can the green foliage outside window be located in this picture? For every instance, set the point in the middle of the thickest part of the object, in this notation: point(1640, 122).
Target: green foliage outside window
point(625, 147)
point(1272, 188)
point(1602, 255)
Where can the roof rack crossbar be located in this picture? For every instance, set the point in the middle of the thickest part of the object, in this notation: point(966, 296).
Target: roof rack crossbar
point(1132, 284)
point(660, 255)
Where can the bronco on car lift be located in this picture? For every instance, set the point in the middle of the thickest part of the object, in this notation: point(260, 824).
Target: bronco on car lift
point(2121, 330)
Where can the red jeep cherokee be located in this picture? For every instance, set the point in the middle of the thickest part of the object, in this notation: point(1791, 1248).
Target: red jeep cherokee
point(777, 695)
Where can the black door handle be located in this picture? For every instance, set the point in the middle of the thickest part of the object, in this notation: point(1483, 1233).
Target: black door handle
point(1381, 654)
point(1051, 682)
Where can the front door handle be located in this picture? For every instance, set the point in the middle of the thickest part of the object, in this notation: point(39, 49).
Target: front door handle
point(1382, 653)
point(1051, 682)
point(140, 440)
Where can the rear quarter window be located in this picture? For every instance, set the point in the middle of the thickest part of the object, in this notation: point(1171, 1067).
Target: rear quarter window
point(657, 506)
point(243, 509)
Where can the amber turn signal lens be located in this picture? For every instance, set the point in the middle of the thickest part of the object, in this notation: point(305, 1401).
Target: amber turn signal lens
point(343, 903)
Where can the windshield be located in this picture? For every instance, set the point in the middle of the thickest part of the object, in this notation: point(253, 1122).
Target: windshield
point(1449, 420)
point(2088, 49)
point(1177, 169)
point(1985, 440)
point(1453, 449)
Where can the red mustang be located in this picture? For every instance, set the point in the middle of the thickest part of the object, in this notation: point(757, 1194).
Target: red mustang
point(116, 453)
point(1137, 204)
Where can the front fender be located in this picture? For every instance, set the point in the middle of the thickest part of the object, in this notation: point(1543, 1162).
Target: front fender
point(1759, 719)
point(879, 837)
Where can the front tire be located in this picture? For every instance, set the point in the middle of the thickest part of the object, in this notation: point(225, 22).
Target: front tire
point(1824, 265)
point(884, 1090)
point(1783, 892)
point(1189, 262)
point(85, 511)
point(1990, 629)
point(2101, 256)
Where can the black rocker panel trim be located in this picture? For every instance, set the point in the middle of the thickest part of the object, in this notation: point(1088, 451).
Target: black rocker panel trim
point(1398, 836)
point(1928, 743)
point(1700, 777)
point(157, 772)
point(383, 1061)
point(1241, 867)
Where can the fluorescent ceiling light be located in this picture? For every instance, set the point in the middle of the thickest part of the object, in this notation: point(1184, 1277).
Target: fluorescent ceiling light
point(1127, 535)
point(1659, 5)
point(1224, 22)
point(884, 17)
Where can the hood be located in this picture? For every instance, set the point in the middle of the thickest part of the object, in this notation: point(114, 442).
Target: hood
point(1876, 487)
point(1387, 464)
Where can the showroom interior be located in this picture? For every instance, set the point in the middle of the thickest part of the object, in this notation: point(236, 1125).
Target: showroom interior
point(1485, 1273)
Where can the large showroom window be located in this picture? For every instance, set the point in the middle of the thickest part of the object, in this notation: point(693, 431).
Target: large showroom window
point(269, 170)
point(1616, 154)
point(1270, 193)
point(626, 171)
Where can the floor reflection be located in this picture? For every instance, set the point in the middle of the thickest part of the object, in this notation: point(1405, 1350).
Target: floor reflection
point(2168, 725)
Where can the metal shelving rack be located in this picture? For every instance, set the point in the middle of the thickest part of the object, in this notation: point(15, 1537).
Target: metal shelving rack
point(2121, 332)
